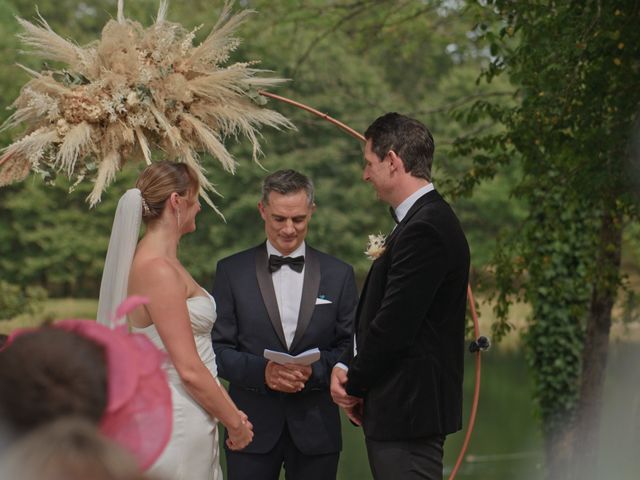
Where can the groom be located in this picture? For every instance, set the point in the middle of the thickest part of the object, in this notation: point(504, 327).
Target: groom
point(403, 378)
point(284, 295)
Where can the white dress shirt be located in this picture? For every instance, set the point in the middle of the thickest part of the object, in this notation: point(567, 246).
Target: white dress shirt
point(402, 209)
point(401, 212)
point(287, 284)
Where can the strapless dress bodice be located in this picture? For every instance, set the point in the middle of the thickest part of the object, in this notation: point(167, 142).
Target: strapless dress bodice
point(193, 450)
point(202, 316)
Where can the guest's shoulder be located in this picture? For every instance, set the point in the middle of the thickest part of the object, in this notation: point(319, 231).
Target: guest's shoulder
point(241, 257)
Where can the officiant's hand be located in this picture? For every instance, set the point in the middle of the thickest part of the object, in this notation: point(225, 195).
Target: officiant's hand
point(281, 378)
point(304, 371)
point(339, 379)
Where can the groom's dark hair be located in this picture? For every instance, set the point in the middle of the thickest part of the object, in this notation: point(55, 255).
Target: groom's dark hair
point(409, 138)
point(285, 182)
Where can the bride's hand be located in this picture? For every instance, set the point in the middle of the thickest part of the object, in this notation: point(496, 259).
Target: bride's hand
point(241, 435)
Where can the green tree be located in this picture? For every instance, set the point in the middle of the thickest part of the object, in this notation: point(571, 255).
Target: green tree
point(50, 238)
point(353, 60)
point(576, 66)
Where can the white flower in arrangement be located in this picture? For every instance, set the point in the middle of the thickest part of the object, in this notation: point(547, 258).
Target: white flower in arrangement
point(132, 99)
point(375, 247)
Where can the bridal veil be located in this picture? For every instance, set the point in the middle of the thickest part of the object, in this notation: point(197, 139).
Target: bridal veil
point(122, 246)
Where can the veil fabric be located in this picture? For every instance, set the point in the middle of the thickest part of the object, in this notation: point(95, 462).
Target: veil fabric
point(122, 246)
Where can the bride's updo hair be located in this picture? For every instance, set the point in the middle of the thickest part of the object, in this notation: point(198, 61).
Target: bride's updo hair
point(159, 180)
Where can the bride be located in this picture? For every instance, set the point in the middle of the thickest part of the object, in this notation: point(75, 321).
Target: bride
point(178, 318)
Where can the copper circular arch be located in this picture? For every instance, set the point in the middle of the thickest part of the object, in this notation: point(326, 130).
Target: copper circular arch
point(472, 306)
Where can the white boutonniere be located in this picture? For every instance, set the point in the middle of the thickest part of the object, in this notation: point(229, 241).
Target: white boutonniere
point(375, 247)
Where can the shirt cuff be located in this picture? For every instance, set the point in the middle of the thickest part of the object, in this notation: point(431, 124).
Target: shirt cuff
point(342, 366)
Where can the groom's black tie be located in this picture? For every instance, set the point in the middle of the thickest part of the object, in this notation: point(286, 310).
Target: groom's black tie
point(392, 212)
point(276, 261)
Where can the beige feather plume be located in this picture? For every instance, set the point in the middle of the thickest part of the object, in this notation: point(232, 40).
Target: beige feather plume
point(30, 146)
point(76, 141)
point(162, 11)
point(144, 145)
point(190, 157)
point(171, 132)
point(107, 170)
point(220, 42)
point(19, 157)
point(48, 44)
point(211, 142)
point(136, 90)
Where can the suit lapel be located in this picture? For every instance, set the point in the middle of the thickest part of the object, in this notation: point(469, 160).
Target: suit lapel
point(423, 200)
point(310, 287)
point(268, 293)
point(429, 197)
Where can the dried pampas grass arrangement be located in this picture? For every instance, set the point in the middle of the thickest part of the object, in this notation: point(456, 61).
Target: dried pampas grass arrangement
point(135, 90)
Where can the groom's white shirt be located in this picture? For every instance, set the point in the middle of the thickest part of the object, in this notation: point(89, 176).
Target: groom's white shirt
point(402, 209)
point(401, 212)
point(287, 284)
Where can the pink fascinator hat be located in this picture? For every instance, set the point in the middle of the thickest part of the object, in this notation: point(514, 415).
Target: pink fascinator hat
point(138, 415)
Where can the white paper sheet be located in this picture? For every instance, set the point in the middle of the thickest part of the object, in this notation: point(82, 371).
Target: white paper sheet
point(304, 358)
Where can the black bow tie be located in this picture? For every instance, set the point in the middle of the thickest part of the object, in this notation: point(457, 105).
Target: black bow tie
point(276, 261)
point(392, 212)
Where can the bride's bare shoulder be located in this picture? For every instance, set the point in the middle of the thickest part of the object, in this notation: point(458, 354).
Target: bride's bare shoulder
point(154, 269)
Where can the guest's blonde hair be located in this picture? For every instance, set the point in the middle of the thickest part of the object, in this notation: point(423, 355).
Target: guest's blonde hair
point(67, 449)
point(159, 180)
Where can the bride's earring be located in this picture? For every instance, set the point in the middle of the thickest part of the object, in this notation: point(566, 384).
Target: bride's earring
point(179, 222)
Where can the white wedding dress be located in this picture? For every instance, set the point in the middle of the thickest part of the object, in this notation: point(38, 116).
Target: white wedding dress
point(193, 450)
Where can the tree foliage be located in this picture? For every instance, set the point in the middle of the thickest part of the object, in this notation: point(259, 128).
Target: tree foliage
point(576, 66)
point(15, 300)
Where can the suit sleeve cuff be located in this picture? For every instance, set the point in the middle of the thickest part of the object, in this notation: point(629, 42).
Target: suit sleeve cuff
point(255, 373)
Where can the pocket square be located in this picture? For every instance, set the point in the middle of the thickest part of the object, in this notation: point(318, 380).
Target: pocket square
point(322, 301)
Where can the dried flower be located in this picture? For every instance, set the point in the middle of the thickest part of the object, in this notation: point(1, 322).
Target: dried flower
point(136, 90)
point(375, 247)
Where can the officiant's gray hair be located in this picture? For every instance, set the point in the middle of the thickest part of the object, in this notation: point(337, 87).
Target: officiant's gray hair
point(285, 182)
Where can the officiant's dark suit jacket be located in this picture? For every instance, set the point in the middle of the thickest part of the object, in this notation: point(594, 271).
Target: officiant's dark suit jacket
point(248, 322)
point(410, 328)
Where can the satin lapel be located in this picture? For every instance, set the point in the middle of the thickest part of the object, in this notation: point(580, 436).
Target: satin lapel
point(268, 293)
point(310, 289)
point(423, 200)
point(432, 196)
point(395, 231)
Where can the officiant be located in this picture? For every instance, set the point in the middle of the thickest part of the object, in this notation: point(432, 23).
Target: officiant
point(286, 296)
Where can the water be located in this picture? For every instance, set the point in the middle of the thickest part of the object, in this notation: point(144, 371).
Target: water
point(506, 443)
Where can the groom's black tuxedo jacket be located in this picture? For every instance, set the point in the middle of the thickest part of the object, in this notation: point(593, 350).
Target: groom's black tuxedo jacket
point(248, 322)
point(410, 328)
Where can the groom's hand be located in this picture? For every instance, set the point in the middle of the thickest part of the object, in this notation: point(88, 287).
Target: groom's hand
point(356, 412)
point(284, 379)
point(338, 393)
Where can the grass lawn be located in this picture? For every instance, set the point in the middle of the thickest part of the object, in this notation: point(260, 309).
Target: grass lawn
point(59, 308)
point(54, 309)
